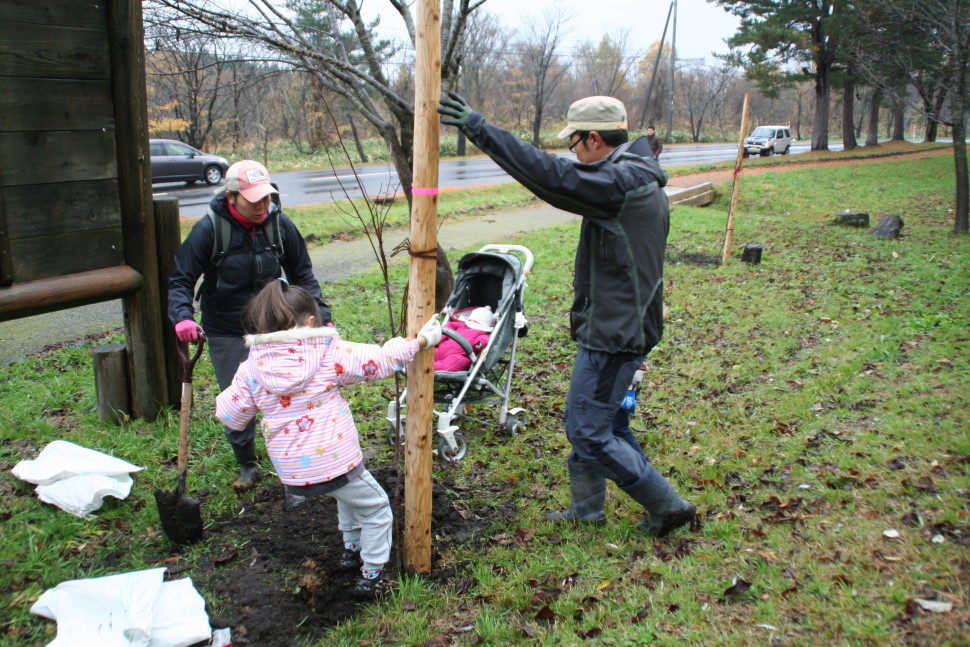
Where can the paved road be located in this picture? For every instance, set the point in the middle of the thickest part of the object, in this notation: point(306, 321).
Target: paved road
point(313, 187)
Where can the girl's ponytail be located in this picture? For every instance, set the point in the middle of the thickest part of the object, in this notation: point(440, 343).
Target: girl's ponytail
point(279, 306)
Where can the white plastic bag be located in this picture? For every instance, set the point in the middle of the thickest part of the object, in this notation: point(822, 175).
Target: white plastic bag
point(75, 478)
point(132, 609)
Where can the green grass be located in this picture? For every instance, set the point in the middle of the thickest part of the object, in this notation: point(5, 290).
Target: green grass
point(806, 405)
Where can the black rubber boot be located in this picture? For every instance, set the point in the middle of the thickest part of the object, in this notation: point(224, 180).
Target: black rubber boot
point(666, 511)
point(587, 490)
point(248, 466)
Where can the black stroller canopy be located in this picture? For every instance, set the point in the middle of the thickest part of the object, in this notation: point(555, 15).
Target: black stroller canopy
point(485, 278)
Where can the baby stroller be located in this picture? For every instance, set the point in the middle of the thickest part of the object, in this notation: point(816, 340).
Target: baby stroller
point(494, 276)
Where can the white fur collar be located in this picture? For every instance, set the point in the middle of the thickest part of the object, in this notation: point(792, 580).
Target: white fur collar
point(300, 332)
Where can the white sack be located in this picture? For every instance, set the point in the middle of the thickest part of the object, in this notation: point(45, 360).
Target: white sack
point(126, 610)
point(180, 617)
point(111, 611)
point(75, 478)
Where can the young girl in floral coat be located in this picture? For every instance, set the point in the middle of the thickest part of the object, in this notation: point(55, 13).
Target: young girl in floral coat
point(293, 376)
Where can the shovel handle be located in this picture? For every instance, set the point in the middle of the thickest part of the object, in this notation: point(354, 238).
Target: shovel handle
point(187, 365)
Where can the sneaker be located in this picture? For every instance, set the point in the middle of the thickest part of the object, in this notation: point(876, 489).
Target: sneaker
point(372, 588)
point(662, 525)
point(349, 559)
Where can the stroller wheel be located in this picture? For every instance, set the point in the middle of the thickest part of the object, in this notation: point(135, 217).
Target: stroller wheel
point(516, 421)
point(461, 448)
point(390, 433)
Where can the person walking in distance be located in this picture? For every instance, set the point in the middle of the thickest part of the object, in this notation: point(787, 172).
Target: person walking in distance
point(245, 242)
point(656, 144)
point(617, 313)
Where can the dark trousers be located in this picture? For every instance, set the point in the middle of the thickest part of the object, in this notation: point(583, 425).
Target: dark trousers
point(227, 353)
point(599, 431)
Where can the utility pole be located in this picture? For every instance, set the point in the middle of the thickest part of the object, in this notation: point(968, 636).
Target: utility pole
point(673, 65)
point(645, 113)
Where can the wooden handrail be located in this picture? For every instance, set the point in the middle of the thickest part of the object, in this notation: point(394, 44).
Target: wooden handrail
point(62, 292)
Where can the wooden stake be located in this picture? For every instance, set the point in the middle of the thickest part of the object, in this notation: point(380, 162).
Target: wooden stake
point(729, 234)
point(419, 431)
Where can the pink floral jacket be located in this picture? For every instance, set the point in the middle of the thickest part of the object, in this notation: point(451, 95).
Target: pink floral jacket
point(294, 377)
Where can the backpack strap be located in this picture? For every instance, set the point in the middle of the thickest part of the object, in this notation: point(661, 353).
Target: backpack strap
point(223, 234)
point(273, 234)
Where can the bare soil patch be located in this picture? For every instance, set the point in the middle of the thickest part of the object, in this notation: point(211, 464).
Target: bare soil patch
point(272, 571)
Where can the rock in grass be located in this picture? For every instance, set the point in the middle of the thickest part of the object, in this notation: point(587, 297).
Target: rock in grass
point(890, 225)
point(849, 218)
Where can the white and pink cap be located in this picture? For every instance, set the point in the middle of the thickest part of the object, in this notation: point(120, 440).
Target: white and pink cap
point(249, 178)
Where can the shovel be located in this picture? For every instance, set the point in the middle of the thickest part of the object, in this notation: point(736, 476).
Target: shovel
point(181, 515)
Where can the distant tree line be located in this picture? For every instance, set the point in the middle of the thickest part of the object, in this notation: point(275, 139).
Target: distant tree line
point(304, 70)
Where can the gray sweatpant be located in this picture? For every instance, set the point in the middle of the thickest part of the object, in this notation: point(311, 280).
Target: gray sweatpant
point(364, 517)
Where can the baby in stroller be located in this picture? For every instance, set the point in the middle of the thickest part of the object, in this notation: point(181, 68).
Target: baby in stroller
point(475, 325)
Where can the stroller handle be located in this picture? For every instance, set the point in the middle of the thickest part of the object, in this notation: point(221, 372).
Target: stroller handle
point(505, 249)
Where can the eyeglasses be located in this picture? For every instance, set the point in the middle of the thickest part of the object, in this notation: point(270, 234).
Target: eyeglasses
point(572, 147)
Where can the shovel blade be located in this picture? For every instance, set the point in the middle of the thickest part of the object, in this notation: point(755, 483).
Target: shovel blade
point(181, 516)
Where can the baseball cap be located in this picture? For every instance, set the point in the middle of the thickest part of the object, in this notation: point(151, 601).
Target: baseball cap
point(249, 178)
point(595, 113)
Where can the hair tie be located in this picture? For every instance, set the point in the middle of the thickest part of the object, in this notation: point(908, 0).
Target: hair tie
point(284, 282)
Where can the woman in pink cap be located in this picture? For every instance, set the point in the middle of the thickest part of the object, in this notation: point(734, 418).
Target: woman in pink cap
point(245, 242)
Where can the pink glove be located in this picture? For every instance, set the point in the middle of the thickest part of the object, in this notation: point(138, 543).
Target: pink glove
point(187, 330)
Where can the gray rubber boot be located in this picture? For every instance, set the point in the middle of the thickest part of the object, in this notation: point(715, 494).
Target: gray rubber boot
point(588, 493)
point(248, 466)
point(666, 511)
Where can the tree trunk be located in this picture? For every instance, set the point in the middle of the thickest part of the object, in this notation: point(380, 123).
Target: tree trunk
point(872, 138)
point(933, 110)
point(357, 142)
point(962, 106)
point(960, 218)
point(460, 146)
point(536, 123)
point(899, 126)
point(820, 129)
point(848, 116)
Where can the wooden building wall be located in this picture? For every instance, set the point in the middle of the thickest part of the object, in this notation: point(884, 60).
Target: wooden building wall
point(76, 219)
point(58, 164)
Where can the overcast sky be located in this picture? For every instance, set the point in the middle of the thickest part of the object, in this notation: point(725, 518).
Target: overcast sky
point(701, 26)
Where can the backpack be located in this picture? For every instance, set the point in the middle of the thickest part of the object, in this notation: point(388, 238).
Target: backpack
point(220, 242)
point(223, 234)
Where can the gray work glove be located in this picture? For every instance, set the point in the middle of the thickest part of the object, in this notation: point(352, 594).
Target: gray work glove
point(455, 109)
point(430, 333)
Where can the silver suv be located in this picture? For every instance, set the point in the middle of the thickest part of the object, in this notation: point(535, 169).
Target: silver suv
point(768, 140)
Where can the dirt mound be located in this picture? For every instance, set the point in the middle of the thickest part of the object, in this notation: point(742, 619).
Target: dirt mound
point(274, 569)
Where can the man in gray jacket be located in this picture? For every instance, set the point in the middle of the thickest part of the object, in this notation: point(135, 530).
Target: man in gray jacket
point(617, 314)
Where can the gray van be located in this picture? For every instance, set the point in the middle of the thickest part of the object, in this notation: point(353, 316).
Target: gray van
point(768, 140)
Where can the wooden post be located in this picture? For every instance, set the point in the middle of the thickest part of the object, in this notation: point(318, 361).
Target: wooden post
point(419, 431)
point(111, 382)
point(729, 234)
point(143, 319)
point(168, 237)
point(751, 254)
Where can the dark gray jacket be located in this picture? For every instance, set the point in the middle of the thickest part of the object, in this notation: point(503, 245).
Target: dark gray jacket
point(618, 285)
point(249, 264)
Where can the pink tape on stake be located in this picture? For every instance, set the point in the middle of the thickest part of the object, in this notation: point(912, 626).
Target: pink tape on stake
point(420, 191)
